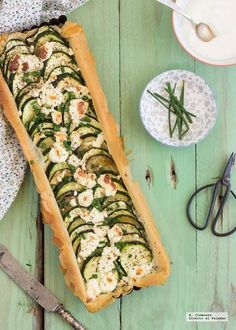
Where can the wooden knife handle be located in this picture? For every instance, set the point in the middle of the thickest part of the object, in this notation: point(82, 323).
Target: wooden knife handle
point(69, 318)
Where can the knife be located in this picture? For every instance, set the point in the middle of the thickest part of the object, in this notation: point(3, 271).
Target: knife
point(34, 288)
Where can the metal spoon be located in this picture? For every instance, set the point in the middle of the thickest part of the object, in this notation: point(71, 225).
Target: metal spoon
point(203, 30)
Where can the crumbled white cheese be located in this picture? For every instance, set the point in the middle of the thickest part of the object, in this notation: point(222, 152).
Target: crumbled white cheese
point(93, 289)
point(75, 140)
point(79, 91)
point(73, 202)
point(97, 216)
point(101, 231)
point(106, 182)
point(85, 198)
point(77, 110)
point(115, 234)
point(84, 178)
point(51, 96)
point(61, 135)
point(99, 141)
point(70, 52)
point(109, 255)
point(56, 117)
point(33, 62)
point(58, 153)
point(108, 282)
point(88, 245)
point(84, 214)
point(46, 111)
point(99, 192)
point(139, 271)
point(73, 160)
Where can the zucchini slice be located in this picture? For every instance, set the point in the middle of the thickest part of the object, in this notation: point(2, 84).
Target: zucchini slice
point(77, 240)
point(117, 198)
point(28, 111)
point(124, 219)
point(115, 206)
point(69, 187)
point(62, 69)
point(75, 224)
point(56, 59)
point(121, 212)
point(129, 229)
point(80, 229)
point(55, 167)
point(85, 130)
point(134, 254)
point(101, 164)
point(90, 267)
point(91, 153)
point(133, 238)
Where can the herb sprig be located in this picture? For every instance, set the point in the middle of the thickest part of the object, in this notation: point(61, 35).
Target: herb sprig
point(175, 107)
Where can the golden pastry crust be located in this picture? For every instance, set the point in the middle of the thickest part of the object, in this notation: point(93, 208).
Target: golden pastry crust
point(50, 210)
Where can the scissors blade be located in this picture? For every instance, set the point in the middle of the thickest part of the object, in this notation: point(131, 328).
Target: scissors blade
point(228, 169)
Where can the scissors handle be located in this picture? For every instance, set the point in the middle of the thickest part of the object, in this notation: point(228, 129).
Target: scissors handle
point(194, 195)
point(217, 186)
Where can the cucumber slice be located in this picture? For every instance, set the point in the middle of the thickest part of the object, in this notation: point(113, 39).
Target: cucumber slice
point(90, 268)
point(134, 254)
point(12, 43)
point(46, 144)
point(45, 127)
point(101, 164)
point(69, 187)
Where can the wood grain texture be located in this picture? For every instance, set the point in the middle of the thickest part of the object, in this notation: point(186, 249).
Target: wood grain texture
point(132, 41)
point(18, 234)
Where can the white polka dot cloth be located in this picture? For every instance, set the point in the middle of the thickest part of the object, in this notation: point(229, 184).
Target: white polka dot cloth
point(16, 15)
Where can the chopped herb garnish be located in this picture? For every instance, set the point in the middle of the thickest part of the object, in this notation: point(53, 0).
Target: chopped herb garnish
point(56, 128)
point(67, 145)
point(72, 167)
point(130, 256)
point(94, 276)
point(175, 107)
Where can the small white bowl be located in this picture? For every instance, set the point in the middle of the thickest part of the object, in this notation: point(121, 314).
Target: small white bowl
point(198, 99)
point(177, 27)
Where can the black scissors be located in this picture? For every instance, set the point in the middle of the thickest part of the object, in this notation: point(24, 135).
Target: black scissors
point(223, 182)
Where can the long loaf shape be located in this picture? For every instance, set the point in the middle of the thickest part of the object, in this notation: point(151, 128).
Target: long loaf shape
point(51, 95)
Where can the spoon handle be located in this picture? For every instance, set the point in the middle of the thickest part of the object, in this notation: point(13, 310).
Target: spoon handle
point(172, 5)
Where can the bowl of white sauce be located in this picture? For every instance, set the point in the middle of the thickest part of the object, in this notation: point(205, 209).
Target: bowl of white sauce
point(220, 15)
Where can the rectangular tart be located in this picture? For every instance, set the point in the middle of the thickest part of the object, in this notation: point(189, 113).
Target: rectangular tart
point(51, 95)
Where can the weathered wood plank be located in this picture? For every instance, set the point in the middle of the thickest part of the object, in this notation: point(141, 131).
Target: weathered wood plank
point(18, 234)
point(216, 280)
point(100, 19)
point(148, 47)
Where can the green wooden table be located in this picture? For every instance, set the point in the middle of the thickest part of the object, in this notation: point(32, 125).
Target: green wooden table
point(132, 41)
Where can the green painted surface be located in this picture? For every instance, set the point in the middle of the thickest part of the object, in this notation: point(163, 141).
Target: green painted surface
point(132, 41)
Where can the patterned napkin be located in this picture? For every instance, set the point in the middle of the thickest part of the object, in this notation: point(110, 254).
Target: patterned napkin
point(16, 15)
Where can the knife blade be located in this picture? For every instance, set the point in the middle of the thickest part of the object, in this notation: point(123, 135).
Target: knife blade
point(34, 288)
